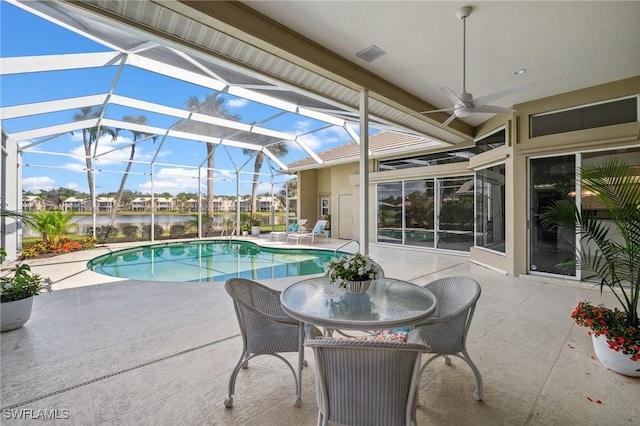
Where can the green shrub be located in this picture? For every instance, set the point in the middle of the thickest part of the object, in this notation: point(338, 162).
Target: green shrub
point(157, 232)
point(130, 232)
point(177, 231)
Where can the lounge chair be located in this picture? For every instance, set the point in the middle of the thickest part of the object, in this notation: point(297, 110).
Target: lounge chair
point(291, 229)
point(318, 230)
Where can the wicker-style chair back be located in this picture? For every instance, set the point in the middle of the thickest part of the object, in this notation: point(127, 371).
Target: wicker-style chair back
point(367, 383)
point(446, 331)
point(266, 329)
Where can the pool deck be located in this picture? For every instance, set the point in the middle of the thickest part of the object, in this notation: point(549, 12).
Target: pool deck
point(109, 351)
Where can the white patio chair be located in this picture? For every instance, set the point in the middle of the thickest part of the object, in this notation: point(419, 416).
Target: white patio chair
point(362, 382)
point(266, 329)
point(317, 230)
point(446, 331)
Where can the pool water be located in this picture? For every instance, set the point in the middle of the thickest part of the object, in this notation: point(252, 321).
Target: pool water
point(216, 260)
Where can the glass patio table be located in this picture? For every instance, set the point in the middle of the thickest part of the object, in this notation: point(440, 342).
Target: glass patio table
point(388, 303)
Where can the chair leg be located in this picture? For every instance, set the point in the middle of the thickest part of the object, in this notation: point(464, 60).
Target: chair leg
point(477, 394)
point(242, 363)
point(301, 362)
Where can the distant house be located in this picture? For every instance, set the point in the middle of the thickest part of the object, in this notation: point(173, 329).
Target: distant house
point(32, 203)
point(105, 204)
point(73, 204)
point(163, 203)
point(191, 205)
point(267, 203)
point(141, 204)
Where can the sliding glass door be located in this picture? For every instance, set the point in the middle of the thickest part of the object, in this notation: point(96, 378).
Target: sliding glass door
point(433, 213)
point(551, 179)
point(455, 218)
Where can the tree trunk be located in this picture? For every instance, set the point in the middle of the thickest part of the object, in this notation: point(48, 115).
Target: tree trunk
point(87, 157)
point(112, 217)
point(256, 180)
point(211, 148)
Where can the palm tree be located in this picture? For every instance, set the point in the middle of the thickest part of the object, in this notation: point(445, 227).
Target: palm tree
point(213, 105)
point(279, 149)
point(140, 119)
point(89, 136)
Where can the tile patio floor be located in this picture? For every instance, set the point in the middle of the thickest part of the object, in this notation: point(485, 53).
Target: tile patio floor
point(122, 352)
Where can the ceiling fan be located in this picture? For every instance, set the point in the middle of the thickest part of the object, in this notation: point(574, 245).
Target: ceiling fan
point(464, 104)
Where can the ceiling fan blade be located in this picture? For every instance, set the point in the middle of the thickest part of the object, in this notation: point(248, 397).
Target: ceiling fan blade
point(484, 100)
point(448, 120)
point(491, 109)
point(437, 110)
point(451, 95)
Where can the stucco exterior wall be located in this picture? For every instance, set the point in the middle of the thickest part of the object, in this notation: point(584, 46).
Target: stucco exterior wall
point(515, 154)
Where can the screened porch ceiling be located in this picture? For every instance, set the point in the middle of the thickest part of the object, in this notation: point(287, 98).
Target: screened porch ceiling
point(124, 72)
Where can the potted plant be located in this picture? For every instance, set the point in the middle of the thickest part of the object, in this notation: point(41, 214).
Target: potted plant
point(17, 293)
point(353, 272)
point(327, 226)
point(609, 252)
point(255, 225)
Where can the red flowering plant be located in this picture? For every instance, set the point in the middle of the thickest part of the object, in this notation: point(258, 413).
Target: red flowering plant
point(611, 323)
point(609, 249)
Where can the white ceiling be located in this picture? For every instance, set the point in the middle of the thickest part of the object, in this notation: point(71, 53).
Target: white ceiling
point(564, 46)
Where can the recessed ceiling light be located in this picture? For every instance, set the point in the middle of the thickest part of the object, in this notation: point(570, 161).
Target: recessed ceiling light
point(519, 72)
point(371, 53)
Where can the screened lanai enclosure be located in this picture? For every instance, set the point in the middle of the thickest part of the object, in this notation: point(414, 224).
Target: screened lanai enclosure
point(107, 120)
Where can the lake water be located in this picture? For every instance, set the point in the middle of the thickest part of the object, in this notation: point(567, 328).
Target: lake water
point(82, 223)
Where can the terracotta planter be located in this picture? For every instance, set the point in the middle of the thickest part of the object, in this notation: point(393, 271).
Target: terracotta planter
point(14, 314)
point(614, 360)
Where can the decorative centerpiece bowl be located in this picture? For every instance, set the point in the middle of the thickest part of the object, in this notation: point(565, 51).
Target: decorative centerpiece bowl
point(353, 272)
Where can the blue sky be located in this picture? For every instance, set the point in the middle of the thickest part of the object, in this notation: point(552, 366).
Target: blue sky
point(24, 34)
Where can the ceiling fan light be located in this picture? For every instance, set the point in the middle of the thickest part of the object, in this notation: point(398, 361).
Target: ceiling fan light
point(463, 112)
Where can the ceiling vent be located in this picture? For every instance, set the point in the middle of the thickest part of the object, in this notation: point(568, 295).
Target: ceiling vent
point(371, 53)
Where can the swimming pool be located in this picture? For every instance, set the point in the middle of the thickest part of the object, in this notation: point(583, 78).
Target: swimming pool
point(215, 260)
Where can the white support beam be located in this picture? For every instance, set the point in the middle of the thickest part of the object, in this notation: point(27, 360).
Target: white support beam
point(364, 171)
point(52, 130)
point(29, 64)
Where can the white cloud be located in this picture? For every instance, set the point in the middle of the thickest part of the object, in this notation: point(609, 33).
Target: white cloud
point(321, 140)
point(73, 167)
point(75, 187)
point(172, 180)
point(118, 156)
point(237, 103)
point(38, 183)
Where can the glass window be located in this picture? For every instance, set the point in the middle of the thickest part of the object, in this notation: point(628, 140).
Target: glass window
point(455, 218)
point(390, 212)
point(588, 117)
point(324, 207)
point(418, 206)
point(490, 228)
point(551, 179)
point(485, 144)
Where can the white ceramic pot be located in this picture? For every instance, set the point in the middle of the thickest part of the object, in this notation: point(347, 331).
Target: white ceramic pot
point(357, 287)
point(14, 314)
point(255, 231)
point(614, 360)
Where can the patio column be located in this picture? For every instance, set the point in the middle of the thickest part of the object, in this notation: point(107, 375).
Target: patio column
point(364, 171)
